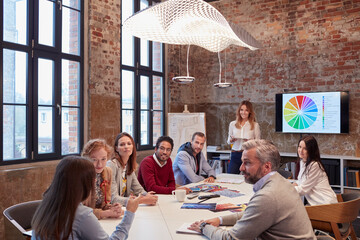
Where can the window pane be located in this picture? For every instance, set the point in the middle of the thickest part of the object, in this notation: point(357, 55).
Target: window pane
point(144, 52)
point(45, 81)
point(45, 130)
point(14, 132)
point(46, 22)
point(15, 67)
point(70, 31)
point(72, 3)
point(15, 21)
point(157, 126)
point(144, 44)
point(70, 134)
point(144, 92)
point(157, 93)
point(127, 46)
point(127, 124)
point(127, 40)
point(144, 128)
point(70, 92)
point(157, 56)
point(127, 89)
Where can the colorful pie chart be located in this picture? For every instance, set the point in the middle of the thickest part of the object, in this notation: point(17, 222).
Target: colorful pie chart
point(300, 112)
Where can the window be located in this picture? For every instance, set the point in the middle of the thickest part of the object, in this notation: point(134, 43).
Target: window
point(142, 83)
point(41, 79)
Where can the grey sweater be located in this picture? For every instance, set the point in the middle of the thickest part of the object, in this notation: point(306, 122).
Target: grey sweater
point(274, 212)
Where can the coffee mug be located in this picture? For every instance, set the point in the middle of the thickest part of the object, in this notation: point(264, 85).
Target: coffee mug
point(180, 194)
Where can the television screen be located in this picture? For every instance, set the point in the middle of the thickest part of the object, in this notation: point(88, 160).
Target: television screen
point(312, 112)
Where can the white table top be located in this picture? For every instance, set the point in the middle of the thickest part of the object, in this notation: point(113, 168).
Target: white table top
point(161, 221)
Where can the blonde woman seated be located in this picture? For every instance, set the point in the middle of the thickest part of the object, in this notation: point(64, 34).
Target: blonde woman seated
point(313, 182)
point(98, 152)
point(123, 166)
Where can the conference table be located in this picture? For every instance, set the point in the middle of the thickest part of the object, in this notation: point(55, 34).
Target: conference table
point(161, 221)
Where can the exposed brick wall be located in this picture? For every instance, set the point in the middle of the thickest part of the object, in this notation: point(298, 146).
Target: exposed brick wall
point(307, 46)
point(104, 69)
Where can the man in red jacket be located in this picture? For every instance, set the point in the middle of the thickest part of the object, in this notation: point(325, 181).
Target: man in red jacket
point(155, 172)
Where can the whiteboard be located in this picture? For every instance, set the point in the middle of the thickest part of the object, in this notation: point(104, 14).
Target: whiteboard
point(181, 127)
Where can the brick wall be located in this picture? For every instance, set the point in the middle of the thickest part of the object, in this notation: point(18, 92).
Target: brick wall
point(104, 69)
point(307, 46)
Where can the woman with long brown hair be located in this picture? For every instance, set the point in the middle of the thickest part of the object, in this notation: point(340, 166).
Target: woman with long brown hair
point(313, 182)
point(242, 129)
point(98, 152)
point(61, 214)
point(123, 166)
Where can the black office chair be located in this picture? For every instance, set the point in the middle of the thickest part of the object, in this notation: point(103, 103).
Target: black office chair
point(18, 219)
point(285, 174)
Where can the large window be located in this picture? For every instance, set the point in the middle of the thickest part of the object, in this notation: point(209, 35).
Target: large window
point(41, 79)
point(142, 83)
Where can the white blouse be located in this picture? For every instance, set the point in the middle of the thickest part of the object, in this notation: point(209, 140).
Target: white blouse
point(314, 185)
point(242, 133)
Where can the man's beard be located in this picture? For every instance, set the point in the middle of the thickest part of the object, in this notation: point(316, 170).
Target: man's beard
point(252, 179)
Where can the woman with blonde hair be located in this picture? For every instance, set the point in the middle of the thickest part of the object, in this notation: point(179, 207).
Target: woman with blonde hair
point(98, 152)
point(123, 166)
point(242, 129)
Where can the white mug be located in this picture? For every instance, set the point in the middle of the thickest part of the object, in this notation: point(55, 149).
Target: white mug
point(180, 194)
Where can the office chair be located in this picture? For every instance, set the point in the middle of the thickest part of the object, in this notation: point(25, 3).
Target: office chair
point(336, 218)
point(285, 174)
point(18, 219)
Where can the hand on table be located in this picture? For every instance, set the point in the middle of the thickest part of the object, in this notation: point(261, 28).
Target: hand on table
point(149, 198)
point(112, 211)
point(214, 221)
point(209, 179)
point(295, 184)
point(196, 226)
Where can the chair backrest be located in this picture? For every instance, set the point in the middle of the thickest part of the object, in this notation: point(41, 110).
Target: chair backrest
point(341, 212)
point(285, 174)
point(20, 215)
point(327, 217)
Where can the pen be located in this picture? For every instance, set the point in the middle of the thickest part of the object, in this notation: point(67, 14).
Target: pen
point(203, 200)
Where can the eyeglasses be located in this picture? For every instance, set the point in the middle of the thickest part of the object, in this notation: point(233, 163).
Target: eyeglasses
point(165, 149)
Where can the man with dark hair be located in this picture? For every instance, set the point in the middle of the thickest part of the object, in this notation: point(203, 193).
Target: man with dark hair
point(190, 162)
point(155, 172)
point(275, 211)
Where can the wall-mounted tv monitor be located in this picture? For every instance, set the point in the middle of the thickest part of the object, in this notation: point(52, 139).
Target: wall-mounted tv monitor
point(312, 112)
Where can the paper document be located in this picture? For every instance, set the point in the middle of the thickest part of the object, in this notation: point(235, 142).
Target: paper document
point(184, 229)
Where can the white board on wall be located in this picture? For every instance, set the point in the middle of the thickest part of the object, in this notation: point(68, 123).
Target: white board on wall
point(181, 127)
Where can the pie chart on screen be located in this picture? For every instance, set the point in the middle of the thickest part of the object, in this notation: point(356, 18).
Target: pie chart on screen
point(300, 112)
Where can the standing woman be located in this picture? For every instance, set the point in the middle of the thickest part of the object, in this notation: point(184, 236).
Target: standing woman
point(313, 182)
point(123, 166)
point(242, 129)
point(61, 215)
point(98, 152)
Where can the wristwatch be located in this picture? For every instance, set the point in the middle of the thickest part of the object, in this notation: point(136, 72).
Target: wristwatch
point(202, 226)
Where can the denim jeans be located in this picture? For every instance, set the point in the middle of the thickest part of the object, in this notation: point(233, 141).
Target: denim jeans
point(235, 163)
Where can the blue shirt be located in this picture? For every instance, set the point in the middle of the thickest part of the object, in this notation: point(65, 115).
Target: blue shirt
point(259, 184)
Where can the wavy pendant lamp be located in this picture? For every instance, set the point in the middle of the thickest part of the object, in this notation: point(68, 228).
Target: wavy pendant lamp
point(188, 22)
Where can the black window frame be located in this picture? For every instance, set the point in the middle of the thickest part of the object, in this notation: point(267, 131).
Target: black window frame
point(140, 70)
point(35, 50)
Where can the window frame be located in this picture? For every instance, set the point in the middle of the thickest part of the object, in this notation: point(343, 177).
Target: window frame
point(35, 50)
point(140, 70)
